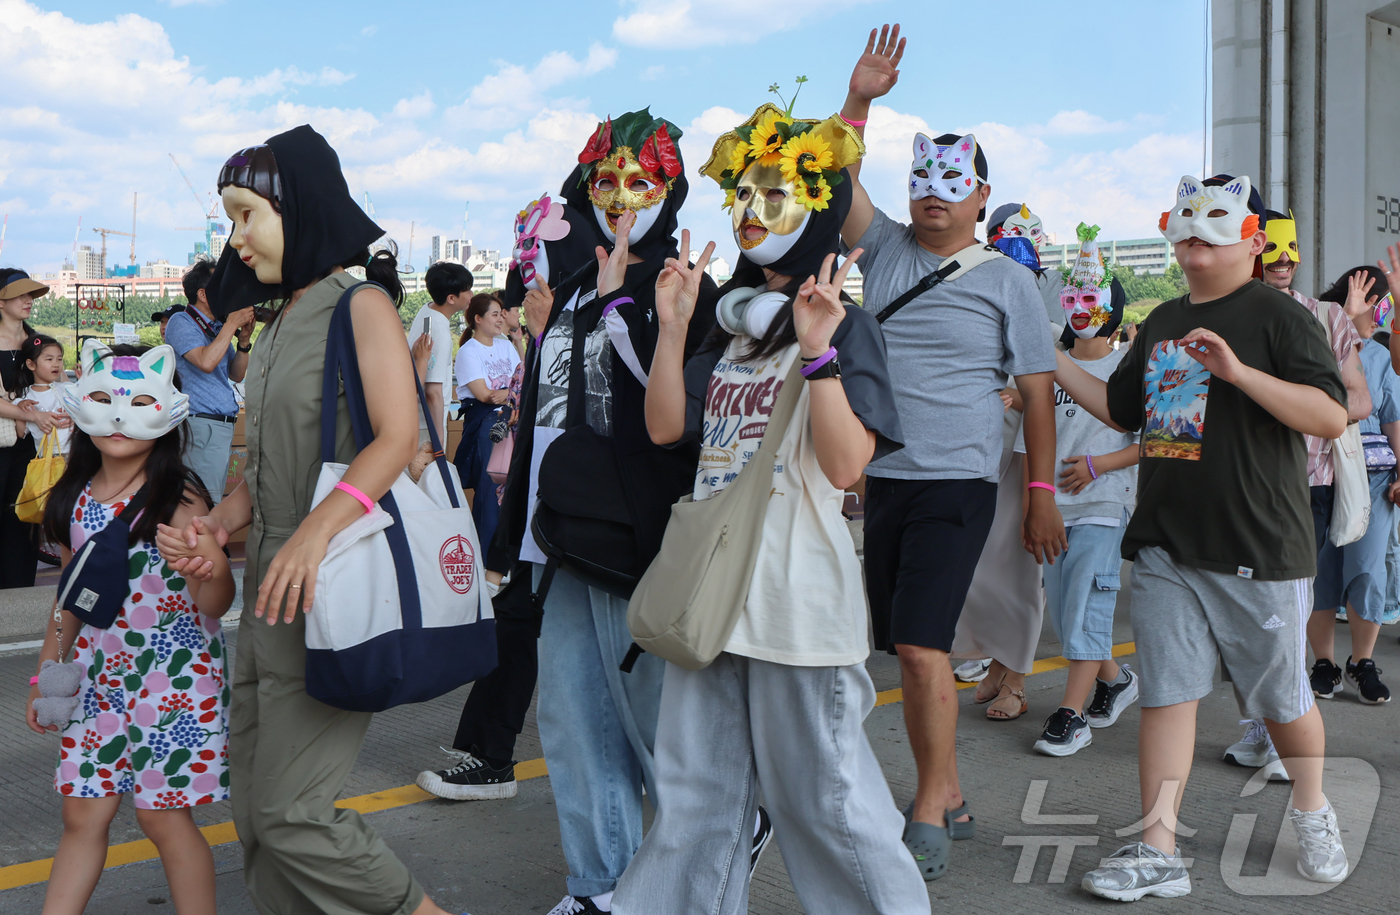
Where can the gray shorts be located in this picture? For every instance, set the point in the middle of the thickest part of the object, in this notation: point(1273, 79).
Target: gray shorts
point(1187, 619)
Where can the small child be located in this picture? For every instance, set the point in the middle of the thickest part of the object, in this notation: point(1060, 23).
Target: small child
point(153, 715)
point(41, 375)
point(1095, 497)
point(1223, 383)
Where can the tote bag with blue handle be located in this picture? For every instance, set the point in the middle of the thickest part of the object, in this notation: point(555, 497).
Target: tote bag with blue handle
point(401, 612)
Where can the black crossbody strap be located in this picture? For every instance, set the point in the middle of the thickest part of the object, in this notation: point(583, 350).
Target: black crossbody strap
point(922, 286)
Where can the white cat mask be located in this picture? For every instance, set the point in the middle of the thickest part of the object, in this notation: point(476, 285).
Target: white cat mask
point(1218, 215)
point(103, 401)
point(946, 172)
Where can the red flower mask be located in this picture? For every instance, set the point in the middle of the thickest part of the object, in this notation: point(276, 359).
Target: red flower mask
point(598, 145)
point(659, 154)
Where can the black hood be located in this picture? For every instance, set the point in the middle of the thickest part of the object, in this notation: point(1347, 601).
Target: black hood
point(323, 228)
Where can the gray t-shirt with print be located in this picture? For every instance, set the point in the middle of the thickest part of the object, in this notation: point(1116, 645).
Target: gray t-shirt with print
point(950, 352)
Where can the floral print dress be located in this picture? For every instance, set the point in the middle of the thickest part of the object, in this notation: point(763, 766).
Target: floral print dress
point(153, 720)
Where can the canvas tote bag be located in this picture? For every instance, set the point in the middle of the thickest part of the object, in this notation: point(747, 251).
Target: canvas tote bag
point(691, 596)
point(401, 612)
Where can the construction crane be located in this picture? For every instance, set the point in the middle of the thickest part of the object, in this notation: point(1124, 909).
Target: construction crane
point(76, 235)
point(408, 267)
point(104, 233)
point(211, 211)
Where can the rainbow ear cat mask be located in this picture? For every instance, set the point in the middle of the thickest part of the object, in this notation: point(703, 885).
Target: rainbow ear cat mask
point(121, 381)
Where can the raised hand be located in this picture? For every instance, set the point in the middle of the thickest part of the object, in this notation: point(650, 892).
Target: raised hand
point(678, 285)
point(612, 268)
point(818, 310)
point(537, 306)
point(1359, 297)
point(878, 68)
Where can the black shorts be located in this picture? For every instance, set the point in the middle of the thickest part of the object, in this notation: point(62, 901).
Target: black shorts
point(922, 542)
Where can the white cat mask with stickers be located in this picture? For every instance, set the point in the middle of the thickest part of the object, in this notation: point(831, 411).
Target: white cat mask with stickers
point(946, 172)
point(133, 396)
point(1218, 215)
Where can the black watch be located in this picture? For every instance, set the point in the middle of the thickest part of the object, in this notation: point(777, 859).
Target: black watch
point(830, 369)
point(246, 349)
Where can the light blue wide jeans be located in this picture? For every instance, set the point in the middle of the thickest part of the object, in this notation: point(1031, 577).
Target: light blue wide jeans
point(598, 728)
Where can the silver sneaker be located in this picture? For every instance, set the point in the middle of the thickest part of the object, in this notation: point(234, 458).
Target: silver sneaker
point(973, 671)
point(1135, 871)
point(1320, 854)
point(1255, 750)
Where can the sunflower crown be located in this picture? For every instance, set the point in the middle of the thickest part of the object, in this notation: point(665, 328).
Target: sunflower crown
point(811, 154)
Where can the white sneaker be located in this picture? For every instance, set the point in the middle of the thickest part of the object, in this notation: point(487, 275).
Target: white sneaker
point(973, 671)
point(1255, 750)
point(1138, 870)
point(1320, 854)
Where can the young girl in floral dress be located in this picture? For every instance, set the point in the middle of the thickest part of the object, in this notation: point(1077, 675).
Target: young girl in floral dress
point(152, 720)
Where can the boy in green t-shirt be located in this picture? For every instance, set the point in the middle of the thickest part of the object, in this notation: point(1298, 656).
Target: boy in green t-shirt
point(1222, 384)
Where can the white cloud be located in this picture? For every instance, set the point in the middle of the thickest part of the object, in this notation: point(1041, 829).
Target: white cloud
point(420, 106)
point(697, 23)
point(1081, 123)
point(513, 94)
point(369, 31)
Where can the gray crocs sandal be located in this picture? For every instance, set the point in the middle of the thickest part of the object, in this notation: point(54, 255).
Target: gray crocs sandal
point(929, 844)
point(959, 831)
point(956, 831)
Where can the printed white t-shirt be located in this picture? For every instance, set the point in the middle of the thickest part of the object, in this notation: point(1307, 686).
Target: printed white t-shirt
point(50, 401)
point(494, 364)
point(806, 604)
point(440, 362)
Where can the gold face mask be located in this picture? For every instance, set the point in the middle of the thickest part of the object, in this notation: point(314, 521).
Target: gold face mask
point(765, 202)
point(619, 183)
point(1282, 237)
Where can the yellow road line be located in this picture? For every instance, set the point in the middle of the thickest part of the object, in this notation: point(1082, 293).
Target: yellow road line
point(32, 872)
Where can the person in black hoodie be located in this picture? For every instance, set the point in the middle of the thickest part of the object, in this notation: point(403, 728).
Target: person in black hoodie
point(585, 466)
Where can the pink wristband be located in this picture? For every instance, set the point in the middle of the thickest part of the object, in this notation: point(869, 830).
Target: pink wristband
point(33, 681)
point(1036, 484)
point(851, 122)
point(360, 497)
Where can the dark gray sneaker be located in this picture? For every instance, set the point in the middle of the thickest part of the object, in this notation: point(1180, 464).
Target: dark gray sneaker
point(1135, 871)
point(1110, 701)
point(1365, 676)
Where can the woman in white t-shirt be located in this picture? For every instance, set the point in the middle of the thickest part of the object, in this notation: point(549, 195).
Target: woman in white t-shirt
point(782, 708)
point(486, 361)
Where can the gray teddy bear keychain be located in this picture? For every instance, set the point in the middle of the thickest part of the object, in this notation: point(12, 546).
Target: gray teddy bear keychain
point(58, 686)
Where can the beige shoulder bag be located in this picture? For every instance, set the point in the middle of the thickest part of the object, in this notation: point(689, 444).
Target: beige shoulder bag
point(687, 603)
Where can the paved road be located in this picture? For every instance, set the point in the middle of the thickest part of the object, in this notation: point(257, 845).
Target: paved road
point(503, 857)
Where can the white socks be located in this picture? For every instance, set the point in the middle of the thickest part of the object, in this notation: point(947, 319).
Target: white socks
point(603, 901)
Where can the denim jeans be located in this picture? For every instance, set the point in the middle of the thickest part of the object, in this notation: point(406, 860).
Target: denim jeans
point(1081, 590)
point(598, 727)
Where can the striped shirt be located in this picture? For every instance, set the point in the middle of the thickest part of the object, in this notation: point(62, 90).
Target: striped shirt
point(1345, 341)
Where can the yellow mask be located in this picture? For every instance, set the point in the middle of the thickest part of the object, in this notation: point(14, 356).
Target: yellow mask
point(767, 201)
point(620, 183)
point(1282, 236)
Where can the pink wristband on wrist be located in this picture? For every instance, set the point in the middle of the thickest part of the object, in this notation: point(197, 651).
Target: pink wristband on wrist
point(1036, 484)
point(33, 681)
point(360, 497)
point(851, 122)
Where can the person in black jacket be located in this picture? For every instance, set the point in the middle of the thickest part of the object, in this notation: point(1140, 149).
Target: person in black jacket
point(582, 452)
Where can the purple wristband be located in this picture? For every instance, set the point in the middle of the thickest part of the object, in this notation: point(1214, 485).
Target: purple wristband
point(1089, 459)
point(607, 309)
point(820, 361)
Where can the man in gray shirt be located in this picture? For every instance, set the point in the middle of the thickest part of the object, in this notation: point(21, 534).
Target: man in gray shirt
point(930, 506)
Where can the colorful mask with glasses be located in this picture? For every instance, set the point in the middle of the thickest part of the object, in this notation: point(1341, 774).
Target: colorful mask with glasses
point(1087, 297)
point(134, 396)
point(946, 172)
point(543, 220)
point(630, 164)
point(1380, 312)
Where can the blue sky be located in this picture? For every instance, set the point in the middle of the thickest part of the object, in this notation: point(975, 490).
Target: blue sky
point(1088, 111)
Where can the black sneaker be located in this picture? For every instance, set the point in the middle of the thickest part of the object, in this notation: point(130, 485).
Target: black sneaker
point(570, 905)
point(1326, 679)
point(470, 780)
point(1365, 676)
point(760, 840)
point(1110, 701)
point(1065, 734)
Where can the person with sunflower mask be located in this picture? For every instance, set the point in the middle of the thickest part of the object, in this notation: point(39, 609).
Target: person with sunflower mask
point(781, 709)
point(582, 455)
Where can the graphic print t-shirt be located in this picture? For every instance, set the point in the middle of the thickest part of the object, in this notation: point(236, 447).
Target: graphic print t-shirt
point(806, 603)
point(1229, 494)
point(494, 364)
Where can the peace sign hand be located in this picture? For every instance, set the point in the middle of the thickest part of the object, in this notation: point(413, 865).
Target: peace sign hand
point(818, 309)
point(878, 68)
point(678, 286)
